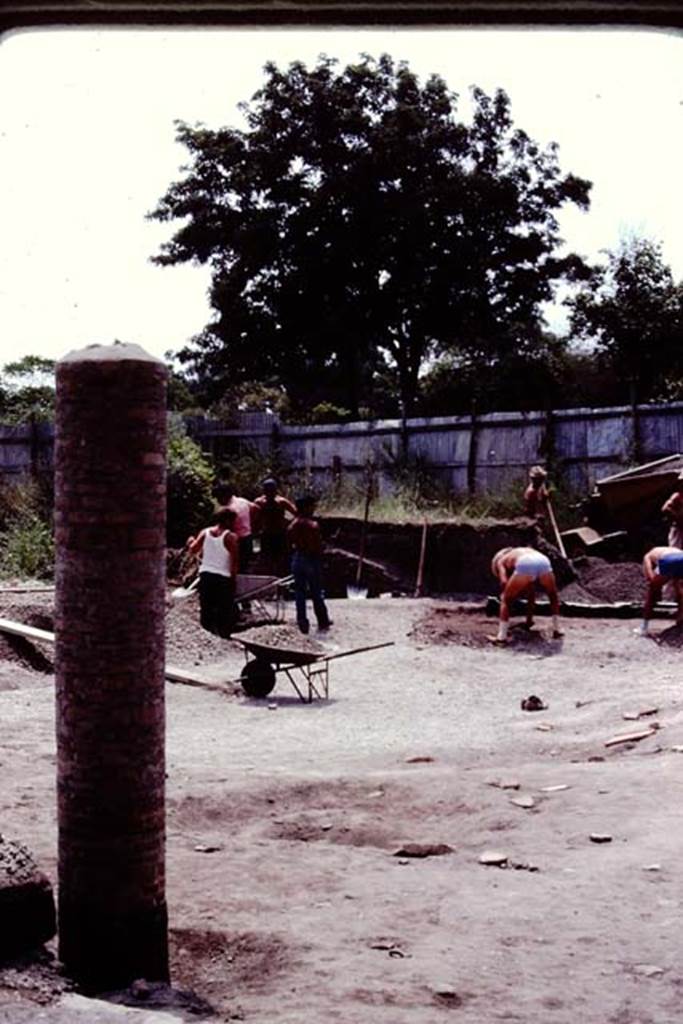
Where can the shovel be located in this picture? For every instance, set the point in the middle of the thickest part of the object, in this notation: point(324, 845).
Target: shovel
point(182, 592)
point(354, 590)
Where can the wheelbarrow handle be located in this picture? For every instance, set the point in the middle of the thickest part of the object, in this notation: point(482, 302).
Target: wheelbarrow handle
point(357, 650)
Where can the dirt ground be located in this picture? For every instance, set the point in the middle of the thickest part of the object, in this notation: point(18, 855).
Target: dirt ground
point(293, 890)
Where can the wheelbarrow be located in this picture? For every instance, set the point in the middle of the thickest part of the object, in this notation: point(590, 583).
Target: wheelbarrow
point(307, 671)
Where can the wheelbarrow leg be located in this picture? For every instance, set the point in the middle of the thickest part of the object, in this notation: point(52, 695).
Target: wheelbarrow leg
point(289, 671)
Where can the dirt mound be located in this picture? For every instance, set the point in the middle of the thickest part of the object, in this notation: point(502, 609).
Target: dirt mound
point(468, 628)
point(218, 963)
point(610, 581)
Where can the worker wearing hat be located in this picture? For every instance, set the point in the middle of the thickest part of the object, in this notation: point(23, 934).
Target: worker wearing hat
point(673, 510)
point(536, 495)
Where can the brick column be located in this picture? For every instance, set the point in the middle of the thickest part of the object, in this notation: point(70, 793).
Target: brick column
point(110, 510)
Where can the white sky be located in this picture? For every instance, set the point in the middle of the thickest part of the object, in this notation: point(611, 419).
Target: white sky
point(87, 148)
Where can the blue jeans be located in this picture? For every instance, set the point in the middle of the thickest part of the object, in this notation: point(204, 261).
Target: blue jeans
point(306, 573)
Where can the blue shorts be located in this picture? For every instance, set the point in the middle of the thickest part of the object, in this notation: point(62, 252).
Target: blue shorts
point(534, 564)
point(671, 565)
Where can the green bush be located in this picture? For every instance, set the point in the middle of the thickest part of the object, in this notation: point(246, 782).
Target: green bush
point(247, 471)
point(190, 476)
point(28, 549)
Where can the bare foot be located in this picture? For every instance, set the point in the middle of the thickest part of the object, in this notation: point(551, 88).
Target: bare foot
point(496, 640)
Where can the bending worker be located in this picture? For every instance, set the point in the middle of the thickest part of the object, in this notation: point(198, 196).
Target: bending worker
point(519, 570)
point(661, 566)
point(673, 510)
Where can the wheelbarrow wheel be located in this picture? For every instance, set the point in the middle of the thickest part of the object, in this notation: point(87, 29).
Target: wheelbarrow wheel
point(258, 678)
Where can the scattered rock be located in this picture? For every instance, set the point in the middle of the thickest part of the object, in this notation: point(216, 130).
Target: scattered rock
point(419, 760)
point(272, 707)
point(533, 703)
point(555, 789)
point(595, 758)
point(652, 867)
point(526, 802)
point(648, 970)
point(140, 989)
point(505, 784)
point(493, 858)
point(200, 848)
point(544, 727)
point(423, 850)
point(677, 748)
point(600, 837)
point(446, 995)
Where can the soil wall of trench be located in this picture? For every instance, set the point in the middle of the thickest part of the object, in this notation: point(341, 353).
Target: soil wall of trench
point(457, 557)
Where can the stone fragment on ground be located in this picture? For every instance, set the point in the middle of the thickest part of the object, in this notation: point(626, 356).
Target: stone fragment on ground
point(27, 906)
point(493, 858)
point(526, 802)
point(423, 850)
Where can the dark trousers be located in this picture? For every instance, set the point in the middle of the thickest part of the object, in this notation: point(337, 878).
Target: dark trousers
point(245, 550)
point(216, 603)
point(274, 551)
point(306, 572)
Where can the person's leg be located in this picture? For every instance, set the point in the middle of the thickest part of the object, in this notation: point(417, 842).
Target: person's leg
point(654, 592)
point(225, 605)
point(300, 574)
point(530, 606)
point(514, 588)
point(319, 606)
point(547, 581)
point(207, 602)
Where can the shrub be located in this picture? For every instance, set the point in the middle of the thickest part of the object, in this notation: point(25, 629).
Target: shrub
point(28, 548)
point(190, 476)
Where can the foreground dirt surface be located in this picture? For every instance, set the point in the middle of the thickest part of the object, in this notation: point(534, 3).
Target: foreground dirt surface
point(292, 889)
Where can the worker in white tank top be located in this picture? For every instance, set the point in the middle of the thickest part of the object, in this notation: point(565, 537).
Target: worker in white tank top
point(219, 565)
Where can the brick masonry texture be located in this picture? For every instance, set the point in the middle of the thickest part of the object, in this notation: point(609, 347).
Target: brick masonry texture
point(110, 501)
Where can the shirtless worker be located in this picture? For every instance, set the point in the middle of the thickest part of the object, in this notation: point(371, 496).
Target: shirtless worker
point(519, 570)
point(673, 510)
point(661, 566)
point(275, 512)
point(536, 496)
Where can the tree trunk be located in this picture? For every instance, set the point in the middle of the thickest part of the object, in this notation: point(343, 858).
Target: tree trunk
point(110, 533)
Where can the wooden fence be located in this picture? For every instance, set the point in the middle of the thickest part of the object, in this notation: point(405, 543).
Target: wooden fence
point(469, 454)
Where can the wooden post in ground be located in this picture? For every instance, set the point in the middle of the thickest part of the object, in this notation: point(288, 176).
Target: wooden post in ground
point(110, 494)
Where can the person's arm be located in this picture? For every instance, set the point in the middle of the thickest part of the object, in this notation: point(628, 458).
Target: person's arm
point(196, 544)
point(255, 515)
point(673, 506)
point(230, 542)
point(288, 505)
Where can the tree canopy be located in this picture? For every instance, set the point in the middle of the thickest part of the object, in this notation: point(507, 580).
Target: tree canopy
point(633, 311)
point(358, 227)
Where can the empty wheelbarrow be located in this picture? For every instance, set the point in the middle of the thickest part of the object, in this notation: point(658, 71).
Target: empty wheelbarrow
point(307, 671)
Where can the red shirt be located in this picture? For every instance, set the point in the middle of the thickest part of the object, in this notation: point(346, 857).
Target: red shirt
point(305, 537)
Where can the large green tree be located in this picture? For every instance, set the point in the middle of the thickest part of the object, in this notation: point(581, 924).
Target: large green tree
point(632, 310)
point(358, 222)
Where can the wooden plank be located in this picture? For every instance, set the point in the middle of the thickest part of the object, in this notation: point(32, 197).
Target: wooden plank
point(630, 737)
point(175, 675)
point(30, 632)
